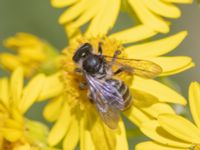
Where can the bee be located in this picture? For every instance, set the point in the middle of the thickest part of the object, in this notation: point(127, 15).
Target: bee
point(109, 95)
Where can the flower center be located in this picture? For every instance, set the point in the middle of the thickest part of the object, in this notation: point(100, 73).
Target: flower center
point(195, 147)
point(73, 80)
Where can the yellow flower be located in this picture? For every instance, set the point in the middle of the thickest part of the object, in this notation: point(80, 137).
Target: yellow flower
point(16, 131)
point(173, 132)
point(30, 53)
point(76, 118)
point(102, 14)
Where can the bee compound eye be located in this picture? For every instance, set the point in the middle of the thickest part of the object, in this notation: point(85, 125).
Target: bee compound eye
point(83, 54)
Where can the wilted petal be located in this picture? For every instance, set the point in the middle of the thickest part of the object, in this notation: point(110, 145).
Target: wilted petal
point(157, 89)
point(194, 101)
point(180, 127)
point(155, 48)
point(155, 146)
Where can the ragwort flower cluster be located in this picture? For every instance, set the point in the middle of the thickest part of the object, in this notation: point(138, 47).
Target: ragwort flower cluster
point(173, 132)
point(75, 119)
point(17, 132)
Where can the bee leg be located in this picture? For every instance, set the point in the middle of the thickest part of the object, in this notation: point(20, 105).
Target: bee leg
point(100, 48)
point(90, 97)
point(78, 70)
point(117, 52)
point(121, 69)
point(82, 86)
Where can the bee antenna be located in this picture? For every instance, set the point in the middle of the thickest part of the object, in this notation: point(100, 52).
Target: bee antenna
point(100, 50)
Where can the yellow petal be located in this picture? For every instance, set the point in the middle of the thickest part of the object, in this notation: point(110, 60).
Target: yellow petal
point(163, 9)
point(72, 32)
point(17, 116)
point(9, 123)
point(157, 89)
point(53, 109)
point(143, 99)
point(73, 12)
point(16, 85)
point(180, 127)
point(156, 48)
point(4, 92)
point(85, 136)
point(180, 70)
point(21, 40)
point(179, 1)
point(194, 101)
point(153, 130)
point(9, 61)
point(31, 92)
point(105, 19)
point(23, 147)
point(173, 65)
point(2, 108)
point(155, 146)
point(134, 34)
point(52, 87)
point(61, 126)
point(29, 54)
point(121, 142)
point(91, 11)
point(11, 135)
point(148, 18)
point(72, 135)
point(100, 133)
point(136, 115)
point(158, 108)
point(107, 138)
point(62, 3)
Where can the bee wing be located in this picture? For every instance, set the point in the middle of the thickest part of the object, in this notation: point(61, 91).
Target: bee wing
point(143, 68)
point(110, 117)
point(107, 100)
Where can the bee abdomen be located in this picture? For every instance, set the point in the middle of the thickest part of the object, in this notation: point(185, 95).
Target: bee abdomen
point(123, 90)
point(126, 94)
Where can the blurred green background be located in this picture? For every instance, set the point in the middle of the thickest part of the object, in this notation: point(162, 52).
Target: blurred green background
point(39, 18)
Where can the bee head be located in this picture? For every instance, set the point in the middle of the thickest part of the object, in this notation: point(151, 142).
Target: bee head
point(92, 63)
point(84, 51)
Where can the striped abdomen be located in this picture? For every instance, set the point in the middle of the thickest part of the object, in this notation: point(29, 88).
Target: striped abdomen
point(123, 90)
